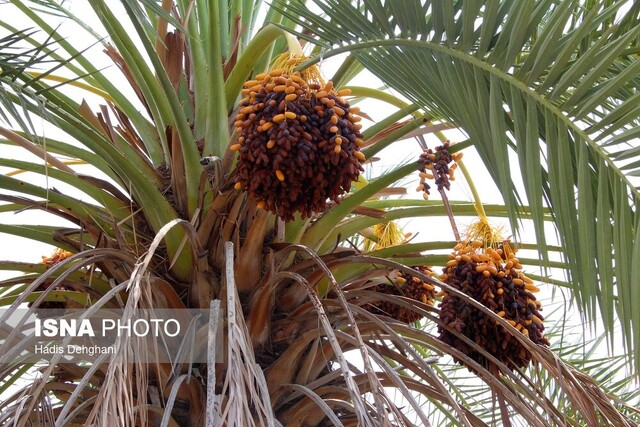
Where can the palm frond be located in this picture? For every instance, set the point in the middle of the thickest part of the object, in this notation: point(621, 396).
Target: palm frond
point(14, 60)
point(553, 82)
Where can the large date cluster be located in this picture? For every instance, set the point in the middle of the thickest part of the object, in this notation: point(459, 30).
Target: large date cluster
point(493, 278)
point(298, 144)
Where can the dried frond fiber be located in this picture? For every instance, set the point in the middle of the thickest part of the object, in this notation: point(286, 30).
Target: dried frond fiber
point(247, 400)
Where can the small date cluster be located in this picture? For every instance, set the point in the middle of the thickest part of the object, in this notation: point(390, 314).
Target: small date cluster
point(435, 165)
point(405, 285)
point(493, 278)
point(299, 144)
point(55, 258)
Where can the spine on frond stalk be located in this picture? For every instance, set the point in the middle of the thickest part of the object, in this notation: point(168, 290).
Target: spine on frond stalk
point(484, 266)
point(299, 140)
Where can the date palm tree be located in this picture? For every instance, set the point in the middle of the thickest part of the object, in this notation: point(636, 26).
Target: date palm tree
point(180, 192)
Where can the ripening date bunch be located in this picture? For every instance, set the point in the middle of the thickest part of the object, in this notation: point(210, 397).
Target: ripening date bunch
point(299, 143)
point(494, 278)
point(438, 165)
point(405, 285)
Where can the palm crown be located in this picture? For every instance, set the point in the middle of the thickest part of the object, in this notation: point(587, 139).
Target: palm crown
point(229, 180)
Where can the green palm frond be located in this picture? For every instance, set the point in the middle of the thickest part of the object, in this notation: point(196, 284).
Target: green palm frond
point(554, 82)
point(15, 58)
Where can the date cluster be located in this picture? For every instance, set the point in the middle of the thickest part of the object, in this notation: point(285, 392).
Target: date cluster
point(299, 144)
